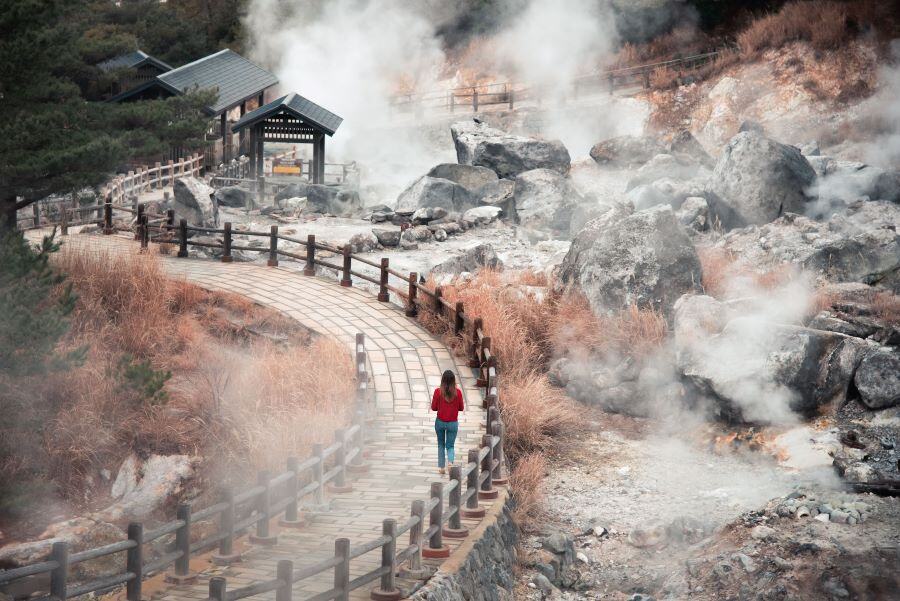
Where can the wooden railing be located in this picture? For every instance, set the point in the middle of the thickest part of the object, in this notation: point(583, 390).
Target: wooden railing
point(258, 506)
point(508, 93)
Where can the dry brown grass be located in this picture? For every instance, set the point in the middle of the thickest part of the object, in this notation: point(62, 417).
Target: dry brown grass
point(826, 24)
point(527, 484)
point(537, 416)
point(234, 398)
point(721, 268)
point(886, 306)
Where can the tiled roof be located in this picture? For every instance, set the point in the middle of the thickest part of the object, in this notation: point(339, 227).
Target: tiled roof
point(301, 107)
point(234, 77)
point(131, 60)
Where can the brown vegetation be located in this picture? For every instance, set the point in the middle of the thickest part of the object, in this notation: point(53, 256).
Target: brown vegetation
point(722, 269)
point(526, 482)
point(168, 368)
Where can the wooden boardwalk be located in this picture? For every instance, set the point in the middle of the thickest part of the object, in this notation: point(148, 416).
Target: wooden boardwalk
point(406, 363)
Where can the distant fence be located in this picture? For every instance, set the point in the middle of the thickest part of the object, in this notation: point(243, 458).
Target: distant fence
point(279, 496)
point(509, 93)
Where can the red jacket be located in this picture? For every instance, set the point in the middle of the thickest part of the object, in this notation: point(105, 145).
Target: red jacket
point(447, 411)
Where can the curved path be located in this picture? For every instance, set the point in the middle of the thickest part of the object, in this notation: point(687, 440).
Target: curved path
point(406, 363)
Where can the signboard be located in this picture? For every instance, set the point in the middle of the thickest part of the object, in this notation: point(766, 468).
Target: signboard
point(287, 167)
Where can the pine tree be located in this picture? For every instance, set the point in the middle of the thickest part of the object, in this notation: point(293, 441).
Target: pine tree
point(34, 306)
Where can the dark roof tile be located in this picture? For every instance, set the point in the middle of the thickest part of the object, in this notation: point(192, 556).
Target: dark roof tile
point(295, 103)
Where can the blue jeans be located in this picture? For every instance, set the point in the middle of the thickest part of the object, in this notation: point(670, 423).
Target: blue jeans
point(446, 438)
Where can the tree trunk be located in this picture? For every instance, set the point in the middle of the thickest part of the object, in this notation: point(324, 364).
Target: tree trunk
point(7, 214)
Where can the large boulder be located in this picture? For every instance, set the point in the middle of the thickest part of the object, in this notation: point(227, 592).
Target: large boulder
point(471, 260)
point(544, 201)
point(758, 370)
point(233, 196)
point(878, 379)
point(144, 489)
point(507, 155)
point(860, 245)
point(761, 179)
point(431, 192)
point(193, 200)
point(627, 257)
point(685, 146)
point(470, 177)
point(842, 182)
point(294, 190)
point(499, 193)
point(332, 200)
point(626, 151)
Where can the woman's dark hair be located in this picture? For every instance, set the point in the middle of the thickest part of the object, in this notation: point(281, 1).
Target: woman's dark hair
point(448, 386)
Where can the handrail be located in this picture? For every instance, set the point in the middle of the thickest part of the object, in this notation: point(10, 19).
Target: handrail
point(280, 494)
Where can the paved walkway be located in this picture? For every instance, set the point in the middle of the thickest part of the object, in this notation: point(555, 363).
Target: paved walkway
point(406, 363)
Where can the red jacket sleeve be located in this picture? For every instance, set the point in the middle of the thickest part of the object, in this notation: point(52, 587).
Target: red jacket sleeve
point(459, 400)
point(434, 399)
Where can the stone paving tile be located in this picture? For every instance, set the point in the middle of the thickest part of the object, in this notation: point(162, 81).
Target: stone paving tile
point(406, 362)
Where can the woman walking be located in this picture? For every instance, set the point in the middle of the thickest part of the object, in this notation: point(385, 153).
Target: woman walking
point(448, 402)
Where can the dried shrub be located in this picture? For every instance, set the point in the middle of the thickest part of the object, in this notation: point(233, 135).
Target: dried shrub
point(886, 306)
point(722, 268)
point(663, 78)
point(527, 485)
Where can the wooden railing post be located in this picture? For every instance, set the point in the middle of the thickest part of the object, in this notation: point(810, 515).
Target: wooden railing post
point(182, 573)
point(342, 569)
point(411, 309)
point(261, 190)
point(340, 484)
point(217, 588)
point(512, 94)
point(171, 181)
point(158, 183)
point(474, 100)
point(472, 510)
point(482, 380)
point(284, 572)
point(487, 490)
point(107, 217)
point(319, 473)
point(387, 590)
point(139, 219)
point(454, 528)
point(475, 361)
point(383, 294)
point(438, 307)
point(292, 517)
point(144, 230)
point(182, 238)
point(413, 567)
point(170, 218)
point(226, 244)
point(226, 555)
point(436, 548)
point(134, 561)
point(36, 211)
point(458, 322)
point(498, 477)
point(60, 574)
point(310, 268)
point(273, 247)
point(357, 465)
point(263, 508)
point(346, 282)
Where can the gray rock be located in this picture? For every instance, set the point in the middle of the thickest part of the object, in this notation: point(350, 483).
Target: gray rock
point(760, 179)
point(363, 242)
point(544, 201)
point(428, 214)
point(482, 215)
point(162, 478)
point(332, 200)
point(471, 260)
point(126, 479)
point(193, 201)
point(440, 234)
point(387, 238)
point(543, 584)
point(234, 196)
point(507, 155)
point(842, 182)
point(470, 177)
point(626, 151)
point(499, 193)
point(684, 144)
point(878, 379)
point(810, 149)
point(662, 166)
point(290, 205)
point(694, 213)
point(380, 213)
point(860, 245)
point(751, 126)
point(432, 192)
point(293, 190)
point(625, 257)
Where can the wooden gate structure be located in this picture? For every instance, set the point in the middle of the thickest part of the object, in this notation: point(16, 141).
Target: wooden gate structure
point(291, 119)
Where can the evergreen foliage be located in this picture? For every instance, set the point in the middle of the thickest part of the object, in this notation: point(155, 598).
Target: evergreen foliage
point(34, 306)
